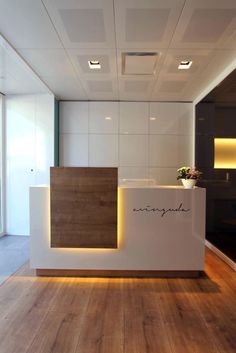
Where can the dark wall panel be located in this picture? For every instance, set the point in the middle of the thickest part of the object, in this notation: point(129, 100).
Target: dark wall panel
point(217, 120)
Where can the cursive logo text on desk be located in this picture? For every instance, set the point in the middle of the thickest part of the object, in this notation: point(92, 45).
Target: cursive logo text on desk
point(162, 211)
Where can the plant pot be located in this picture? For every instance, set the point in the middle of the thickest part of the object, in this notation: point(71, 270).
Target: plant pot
point(189, 183)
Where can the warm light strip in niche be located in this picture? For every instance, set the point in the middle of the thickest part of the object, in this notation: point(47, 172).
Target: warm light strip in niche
point(225, 153)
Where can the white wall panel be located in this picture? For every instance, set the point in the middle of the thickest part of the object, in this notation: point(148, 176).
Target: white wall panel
point(29, 154)
point(170, 118)
point(133, 150)
point(141, 147)
point(133, 117)
point(133, 172)
point(20, 136)
point(74, 117)
point(103, 150)
point(103, 117)
point(164, 176)
point(169, 151)
point(74, 150)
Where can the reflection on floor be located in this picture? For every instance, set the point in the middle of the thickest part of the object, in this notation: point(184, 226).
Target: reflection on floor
point(14, 252)
point(225, 242)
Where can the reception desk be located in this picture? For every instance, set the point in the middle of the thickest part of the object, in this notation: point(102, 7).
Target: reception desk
point(161, 232)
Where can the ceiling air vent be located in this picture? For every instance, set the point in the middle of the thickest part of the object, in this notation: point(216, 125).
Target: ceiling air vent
point(139, 63)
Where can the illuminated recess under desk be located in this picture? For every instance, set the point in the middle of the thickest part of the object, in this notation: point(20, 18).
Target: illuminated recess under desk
point(160, 229)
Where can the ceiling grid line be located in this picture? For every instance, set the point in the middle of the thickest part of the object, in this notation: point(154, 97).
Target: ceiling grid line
point(68, 57)
point(57, 38)
point(177, 22)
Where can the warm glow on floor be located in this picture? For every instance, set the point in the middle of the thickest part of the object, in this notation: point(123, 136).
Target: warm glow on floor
point(225, 153)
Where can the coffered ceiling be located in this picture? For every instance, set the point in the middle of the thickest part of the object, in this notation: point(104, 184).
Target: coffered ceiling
point(57, 38)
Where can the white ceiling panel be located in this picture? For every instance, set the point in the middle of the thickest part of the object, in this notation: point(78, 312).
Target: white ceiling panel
point(66, 88)
point(57, 38)
point(199, 57)
point(15, 74)
point(152, 26)
point(146, 24)
point(172, 86)
point(206, 24)
point(106, 57)
point(25, 24)
point(48, 62)
point(181, 96)
point(83, 24)
point(98, 88)
point(135, 89)
point(10, 85)
point(136, 86)
point(198, 29)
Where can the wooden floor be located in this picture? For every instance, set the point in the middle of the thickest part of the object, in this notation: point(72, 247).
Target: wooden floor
point(86, 315)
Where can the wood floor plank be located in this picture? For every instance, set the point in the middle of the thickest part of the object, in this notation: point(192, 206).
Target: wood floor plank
point(113, 325)
point(144, 330)
point(17, 335)
point(73, 295)
point(92, 331)
point(58, 334)
point(185, 328)
point(218, 316)
point(20, 323)
point(105, 315)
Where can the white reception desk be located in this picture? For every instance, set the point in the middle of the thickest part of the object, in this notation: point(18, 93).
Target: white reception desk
point(160, 228)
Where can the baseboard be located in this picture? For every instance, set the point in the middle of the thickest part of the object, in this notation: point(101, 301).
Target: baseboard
point(221, 255)
point(116, 273)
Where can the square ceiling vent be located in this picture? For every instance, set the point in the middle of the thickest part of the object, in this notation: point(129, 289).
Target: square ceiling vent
point(139, 63)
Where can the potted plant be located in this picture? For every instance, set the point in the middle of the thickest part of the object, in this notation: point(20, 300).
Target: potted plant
point(188, 176)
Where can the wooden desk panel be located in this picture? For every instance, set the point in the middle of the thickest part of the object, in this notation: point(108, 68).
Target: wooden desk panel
point(83, 207)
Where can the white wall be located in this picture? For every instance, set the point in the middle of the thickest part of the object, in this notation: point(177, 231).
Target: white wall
point(2, 195)
point(145, 140)
point(29, 153)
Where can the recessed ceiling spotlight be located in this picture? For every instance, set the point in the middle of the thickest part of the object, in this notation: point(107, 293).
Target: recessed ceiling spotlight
point(185, 65)
point(94, 64)
point(152, 118)
point(107, 118)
